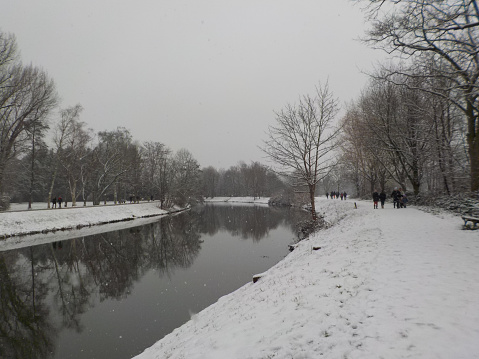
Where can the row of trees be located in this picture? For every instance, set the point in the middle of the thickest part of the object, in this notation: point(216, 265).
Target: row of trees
point(436, 83)
point(416, 123)
point(108, 165)
point(254, 180)
point(80, 165)
point(112, 166)
point(408, 137)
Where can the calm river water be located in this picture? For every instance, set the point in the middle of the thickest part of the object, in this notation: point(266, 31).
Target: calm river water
point(114, 294)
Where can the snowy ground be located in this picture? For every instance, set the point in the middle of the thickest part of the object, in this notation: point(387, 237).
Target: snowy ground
point(51, 220)
point(263, 200)
point(385, 283)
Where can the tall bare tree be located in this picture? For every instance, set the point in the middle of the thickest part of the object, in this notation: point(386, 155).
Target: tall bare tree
point(154, 163)
point(74, 155)
point(114, 156)
point(36, 134)
point(303, 139)
point(27, 96)
point(185, 184)
point(64, 130)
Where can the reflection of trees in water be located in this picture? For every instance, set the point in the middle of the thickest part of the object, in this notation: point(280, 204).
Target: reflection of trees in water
point(25, 331)
point(173, 242)
point(69, 273)
point(46, 288)
point(253, 222)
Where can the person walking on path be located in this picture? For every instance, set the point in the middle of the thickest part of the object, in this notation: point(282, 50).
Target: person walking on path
point(382, 198)
point(375, 199)
point(404, 200)
point(54, 202)
point(395, 197)
point(59, 202)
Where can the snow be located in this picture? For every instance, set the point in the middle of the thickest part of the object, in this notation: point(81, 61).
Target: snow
point(256, 200)
point(385, 283)
point(61, 223)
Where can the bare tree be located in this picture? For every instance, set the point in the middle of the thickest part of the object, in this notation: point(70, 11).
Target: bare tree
point(185, 183)
point(64, 130)
point(74, 155)
point(36, 133)
point(302, 140)
point(114, 156)
point(27, 96)
point(154, 164)
point(210, 178)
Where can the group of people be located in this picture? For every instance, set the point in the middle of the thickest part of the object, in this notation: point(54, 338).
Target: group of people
point(399, 199)
point(336, 195)
point(58, 200)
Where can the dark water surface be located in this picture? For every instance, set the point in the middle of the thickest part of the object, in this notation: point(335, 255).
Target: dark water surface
point(114, 294)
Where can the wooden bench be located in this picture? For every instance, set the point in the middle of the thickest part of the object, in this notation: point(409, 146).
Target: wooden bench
point(473, 220)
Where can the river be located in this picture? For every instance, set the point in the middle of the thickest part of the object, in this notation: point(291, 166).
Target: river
point(112, 295)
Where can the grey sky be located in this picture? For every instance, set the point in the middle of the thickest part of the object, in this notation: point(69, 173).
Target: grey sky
point(201, 75)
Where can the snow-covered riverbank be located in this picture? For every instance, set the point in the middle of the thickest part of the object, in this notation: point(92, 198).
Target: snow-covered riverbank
point(14, 223)
point(249, 200)
point(385, 283)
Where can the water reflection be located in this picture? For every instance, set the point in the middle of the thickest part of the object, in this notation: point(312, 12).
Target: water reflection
point(50, 294)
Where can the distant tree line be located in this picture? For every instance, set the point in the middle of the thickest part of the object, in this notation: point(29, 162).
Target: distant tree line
point(254, 180)
point(80, 165)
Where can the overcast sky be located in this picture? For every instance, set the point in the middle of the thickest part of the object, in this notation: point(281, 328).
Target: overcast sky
point(202, 75)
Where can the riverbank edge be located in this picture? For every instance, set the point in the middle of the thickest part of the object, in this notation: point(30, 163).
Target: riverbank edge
point(79, 225)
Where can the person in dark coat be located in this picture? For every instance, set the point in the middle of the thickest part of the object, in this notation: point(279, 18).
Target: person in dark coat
point(394, 196)
point(54, 202)
point(59, 202)
point(382, 198)
point(397, 197)
point(375, 199)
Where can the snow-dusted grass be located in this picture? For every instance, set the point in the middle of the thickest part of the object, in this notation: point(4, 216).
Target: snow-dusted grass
point(48, 220)
point(263, 200)
point(385, 283)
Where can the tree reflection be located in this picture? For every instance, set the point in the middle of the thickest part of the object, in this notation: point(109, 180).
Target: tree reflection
point(247, 222)
point(24, 328)
point(47, 288)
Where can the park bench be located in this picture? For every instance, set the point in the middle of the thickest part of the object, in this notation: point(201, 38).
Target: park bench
point(473, 220)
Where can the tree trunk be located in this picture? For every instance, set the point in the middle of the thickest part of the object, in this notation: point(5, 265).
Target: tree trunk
point(312, 190)
point(115, 193)
point(473, 144)
point(4, 202)
point(73, 190)
point(474, 156)
point(32, 173)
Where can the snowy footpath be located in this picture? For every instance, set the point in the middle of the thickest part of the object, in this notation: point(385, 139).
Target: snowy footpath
point(386, 283)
